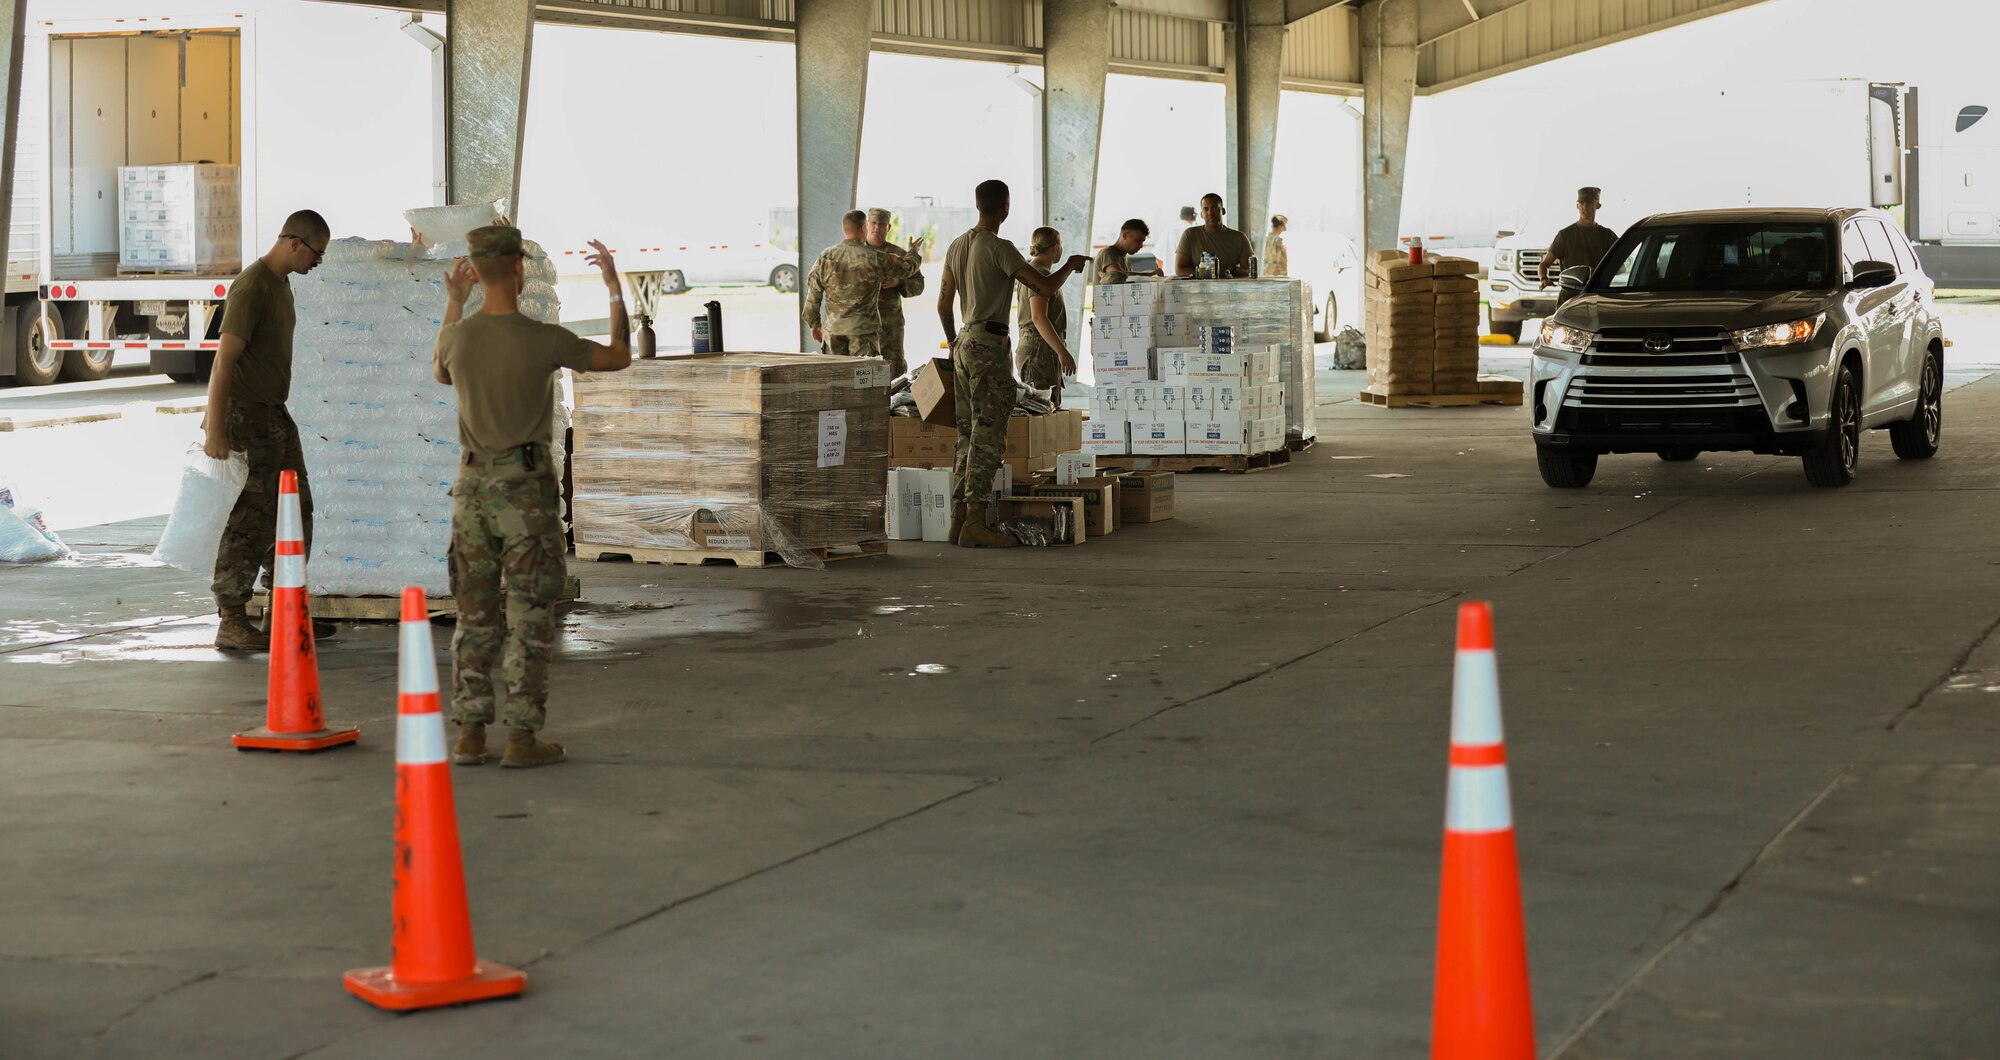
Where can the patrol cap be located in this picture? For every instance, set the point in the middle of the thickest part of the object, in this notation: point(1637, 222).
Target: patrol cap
point(495, 241)
point(1279, 219)
point(878, 216)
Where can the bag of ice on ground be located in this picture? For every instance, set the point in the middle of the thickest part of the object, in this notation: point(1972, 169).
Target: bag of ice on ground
point(25, 536)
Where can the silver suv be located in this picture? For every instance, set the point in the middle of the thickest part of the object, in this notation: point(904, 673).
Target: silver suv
point(1785, 332)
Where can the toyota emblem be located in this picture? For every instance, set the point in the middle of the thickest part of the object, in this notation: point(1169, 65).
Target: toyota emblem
point(1659, 342)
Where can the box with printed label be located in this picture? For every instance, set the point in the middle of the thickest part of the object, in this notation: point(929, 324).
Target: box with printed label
point(1140, 399)
point(914, 443)
point(1276, 374)
point(1073, 466)
point(905, 505)
point(1109, 298)
point(1142, 296)
point(1104, 433)
point(1107, 327)
point(1173, 329)
point(937, 504)
point(1099, 497)
point(1198, 399)
point(1257, 365)
point(1216, 338)
point(1170, 400)
point(1159, 437)
point(1139, 329)
point(1215, 438)
point(1172, 362)
point(1215, 368)
point(1145, 497)
point(1120, 367)
point(1108, 397)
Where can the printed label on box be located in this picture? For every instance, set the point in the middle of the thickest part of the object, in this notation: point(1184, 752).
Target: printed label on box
point(728, 541)
point(1171, 398)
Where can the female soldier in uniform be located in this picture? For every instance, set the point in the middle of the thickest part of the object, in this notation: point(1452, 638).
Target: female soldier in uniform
point(1043, 356)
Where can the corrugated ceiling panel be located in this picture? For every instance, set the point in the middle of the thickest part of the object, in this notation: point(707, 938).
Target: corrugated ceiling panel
point(1146, 39)
point(1537, 30)
point(1324, 48)
point(1010, 25)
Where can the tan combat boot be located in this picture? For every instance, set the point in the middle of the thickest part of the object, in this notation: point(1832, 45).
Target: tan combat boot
point(524, 750)
point(237, 633)
point(976, 534)
point(957, 522)
point(471, 749)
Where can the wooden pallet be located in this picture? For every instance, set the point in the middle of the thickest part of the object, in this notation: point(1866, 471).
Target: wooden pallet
point(1237, 464)
point(1372, 396)
point(386, 608)
point(696, 557)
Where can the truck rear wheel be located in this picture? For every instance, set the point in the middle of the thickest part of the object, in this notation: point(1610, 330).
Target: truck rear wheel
point(35, 364)
point(204, 366)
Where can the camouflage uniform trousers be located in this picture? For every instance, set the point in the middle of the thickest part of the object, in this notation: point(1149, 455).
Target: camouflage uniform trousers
point(852, 345)
point(268, 436)
point(507, 572)
point(889, 347)
point(983, 397)
point(1040, 367)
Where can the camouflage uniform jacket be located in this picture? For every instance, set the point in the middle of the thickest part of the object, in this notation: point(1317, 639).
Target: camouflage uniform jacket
point(848, 277)
point(910, 267)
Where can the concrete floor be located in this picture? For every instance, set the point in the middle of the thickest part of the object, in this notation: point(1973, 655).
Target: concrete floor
point(1180, 797)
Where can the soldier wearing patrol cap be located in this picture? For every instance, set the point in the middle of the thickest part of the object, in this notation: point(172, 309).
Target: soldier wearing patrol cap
point(905, 280)
point(507, 549)
point(849, 278)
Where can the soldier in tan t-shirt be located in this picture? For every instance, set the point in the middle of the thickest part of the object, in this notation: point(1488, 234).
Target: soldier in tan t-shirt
point(980, 269)
point(507, 551)
point(1113, 263)
point(1230, 247)
point(247, 389)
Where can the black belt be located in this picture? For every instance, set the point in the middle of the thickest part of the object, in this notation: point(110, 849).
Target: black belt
point(528, 455)
point(992, 328)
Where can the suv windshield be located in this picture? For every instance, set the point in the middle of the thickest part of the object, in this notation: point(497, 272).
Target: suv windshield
point(1738, 256)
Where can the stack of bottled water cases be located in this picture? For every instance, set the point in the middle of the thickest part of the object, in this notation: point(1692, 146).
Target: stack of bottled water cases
point(380, 433)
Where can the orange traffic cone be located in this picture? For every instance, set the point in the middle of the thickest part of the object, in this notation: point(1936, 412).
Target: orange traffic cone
point(292, 720)
point(1481, 1007)
point(432, 961)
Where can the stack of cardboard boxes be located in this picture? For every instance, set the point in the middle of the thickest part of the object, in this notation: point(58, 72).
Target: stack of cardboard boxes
point(772, 452)
point(1157, 347)
point(1423, 328)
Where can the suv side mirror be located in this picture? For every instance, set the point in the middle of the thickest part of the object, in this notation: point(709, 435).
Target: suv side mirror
point(1574, 277)
point(1872, 274)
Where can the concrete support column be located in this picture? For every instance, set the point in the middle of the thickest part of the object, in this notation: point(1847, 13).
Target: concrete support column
point(486, 56)
point(1388, 84)
point(832, 54)
point(1256, 76)
point(1076, 37)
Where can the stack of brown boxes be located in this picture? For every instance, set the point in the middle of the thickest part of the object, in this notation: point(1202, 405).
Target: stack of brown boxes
point(1456, 364)
point(1032, 441)
point(770, 452)
point(1423, 332)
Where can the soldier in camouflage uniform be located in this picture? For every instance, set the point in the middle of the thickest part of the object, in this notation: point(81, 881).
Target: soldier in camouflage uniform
point(848, 278)
point(247, 388)
point(980, 270)
point(507, 551)
point(906, 280)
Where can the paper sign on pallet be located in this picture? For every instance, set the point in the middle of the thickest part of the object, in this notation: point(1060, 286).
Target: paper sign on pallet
point(937, 504)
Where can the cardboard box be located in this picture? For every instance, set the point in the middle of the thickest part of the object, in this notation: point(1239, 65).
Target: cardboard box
point(1139, 330)
point(1107, 327)
point(1170, 400)
point(1215, 438)
point(904, 508)
point(1139, 400)
point(1112, 367)
point(1071, 467)
point(1143, 295)
point(1062, 516)
point(1108, 298)
point(1455, 285)
point(1216, 338)
point(1156, 437)
point(1099, 497)
point(1172, 363)
point(1065, 430)
point(937, 504)
point(1215, 367)
point(1146, 497)
point(1395, 265)
point(914, 443)
point(1173, 329)
point(931, 386)
point(1230, 400)
point(1104, 433)
point(1107, 397)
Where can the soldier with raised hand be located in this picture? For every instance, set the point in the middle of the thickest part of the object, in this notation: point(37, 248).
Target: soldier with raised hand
point(905, 280)
point(247, 389)
point(849, 278)
point(507, 551)
point(980, 270)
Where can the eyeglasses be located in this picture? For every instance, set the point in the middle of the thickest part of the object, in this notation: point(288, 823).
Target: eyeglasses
point(318, 253)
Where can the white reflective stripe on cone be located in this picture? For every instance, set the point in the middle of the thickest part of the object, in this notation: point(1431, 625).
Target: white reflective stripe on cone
point(419, 739)
point(291, 573)
point(291, 526)
point(417, 665)
point(1475, 800)
point(1475, 699)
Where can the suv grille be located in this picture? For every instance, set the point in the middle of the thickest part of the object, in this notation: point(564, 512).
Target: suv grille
point(1662, 369)
point(1656, 341)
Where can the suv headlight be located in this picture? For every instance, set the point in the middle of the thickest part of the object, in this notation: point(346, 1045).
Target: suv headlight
point(1788, 334)
point(1562, 337)
point(1504, 259)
